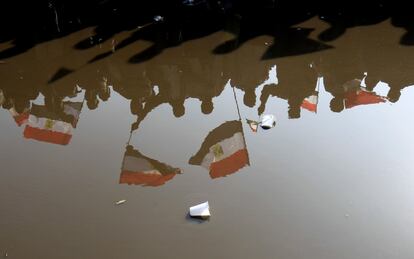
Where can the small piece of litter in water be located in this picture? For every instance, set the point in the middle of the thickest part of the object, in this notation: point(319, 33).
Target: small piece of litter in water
point(201, 210)
point(253, 125)
point(266, 43)
point(346, 215)
point(267, 121)
point(120, 202)
point(6, 254)
point(158, 18)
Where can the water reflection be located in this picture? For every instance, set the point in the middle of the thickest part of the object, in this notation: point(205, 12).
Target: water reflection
point(53, 124)
point(181, 105)
point(190, 71)
point(292, 86)
point(310, 103)
point(138, 169)
point(354, 94)
point(223, 151)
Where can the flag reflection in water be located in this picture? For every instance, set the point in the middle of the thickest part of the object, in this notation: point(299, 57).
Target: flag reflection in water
point(54, 127)
point(223, 151)
point(141, 170)
point(310, 103)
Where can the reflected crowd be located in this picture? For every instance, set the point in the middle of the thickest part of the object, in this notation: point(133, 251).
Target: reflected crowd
point(349, 71)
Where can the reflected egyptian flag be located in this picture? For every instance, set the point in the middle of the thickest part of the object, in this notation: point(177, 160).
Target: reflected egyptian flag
point(223, 151)
point(355, 94)
point(310, 103)
point(19, 118)
point(362, 97)
point(51, 127)
point(140, 170)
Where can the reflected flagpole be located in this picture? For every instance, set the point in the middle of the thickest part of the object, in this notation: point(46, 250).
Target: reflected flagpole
point(240, 119)
point(318, 81)
point(235, 99)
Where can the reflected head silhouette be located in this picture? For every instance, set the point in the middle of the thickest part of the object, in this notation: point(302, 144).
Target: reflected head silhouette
point(92, 102)
point(394, 95)
point(207, 106)
point(337, 104)
point(178, 109)
point(294, 112)
point(105, 93)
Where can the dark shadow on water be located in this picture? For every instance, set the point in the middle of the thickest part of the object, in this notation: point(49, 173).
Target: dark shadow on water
point(292, 42)
point(196, 220)
point(27, 24)
point(62, 72)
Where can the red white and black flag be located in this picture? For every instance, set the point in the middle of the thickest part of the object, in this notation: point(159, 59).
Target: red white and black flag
point(223, 151)
point(141, 170)
point(310, 103)
point(53, 127)
point(20, 118)
point(356, 94)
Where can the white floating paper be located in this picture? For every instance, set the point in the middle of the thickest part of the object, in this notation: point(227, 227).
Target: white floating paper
point(200, 210)
point(268, 121)
point(120, 202)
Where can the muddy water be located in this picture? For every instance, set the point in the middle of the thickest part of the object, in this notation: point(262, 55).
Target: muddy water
point(165, 129)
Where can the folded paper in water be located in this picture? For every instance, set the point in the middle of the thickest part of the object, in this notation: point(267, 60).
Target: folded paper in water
point(200, 210)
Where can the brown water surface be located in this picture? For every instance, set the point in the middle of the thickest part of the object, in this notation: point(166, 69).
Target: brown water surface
point(82, 129)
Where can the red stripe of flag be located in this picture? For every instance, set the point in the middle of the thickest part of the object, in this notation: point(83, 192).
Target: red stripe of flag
point(229, 165)
point(309, 106)
point(46, 135)
point(138, 178)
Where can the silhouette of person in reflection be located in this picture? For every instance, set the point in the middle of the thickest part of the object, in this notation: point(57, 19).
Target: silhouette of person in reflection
point(292, 86)
point(19, 109)
point(393, 67)
point(179, 75)
point(209, 85)
point(95, 90)
point(223, 151)
point(247, 78)
point(138, 169)
point(17, 100)
point(54, 96)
